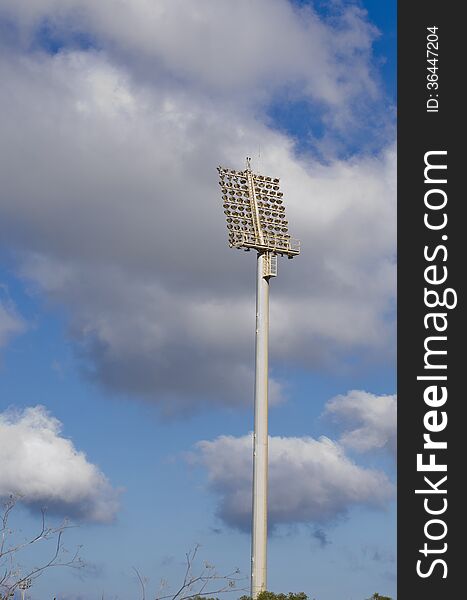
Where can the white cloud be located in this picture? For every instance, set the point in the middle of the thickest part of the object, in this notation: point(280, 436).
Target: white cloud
point(221, 47)
point(119, 218)
point(44, 469)
point(309, 480)
point(372, 418)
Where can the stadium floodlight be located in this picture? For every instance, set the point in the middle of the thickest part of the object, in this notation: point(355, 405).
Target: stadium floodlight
point(255, 216)
point(24, 585)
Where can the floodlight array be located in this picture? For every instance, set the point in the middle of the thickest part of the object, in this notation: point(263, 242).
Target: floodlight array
point(25, 584)
point(255, 214)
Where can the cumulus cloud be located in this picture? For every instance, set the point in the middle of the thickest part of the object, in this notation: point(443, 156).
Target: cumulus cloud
point(310, 481)
point(119, 218)
point(325, 60)
point(372, 420)
point(44, 469)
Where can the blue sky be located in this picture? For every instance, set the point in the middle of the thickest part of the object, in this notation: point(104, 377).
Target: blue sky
point(124, 313)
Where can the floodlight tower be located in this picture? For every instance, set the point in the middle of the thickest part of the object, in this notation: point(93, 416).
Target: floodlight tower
point(255, 217)
point(24, 585)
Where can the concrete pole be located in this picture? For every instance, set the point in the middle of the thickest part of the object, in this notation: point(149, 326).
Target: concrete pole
point(260, 444)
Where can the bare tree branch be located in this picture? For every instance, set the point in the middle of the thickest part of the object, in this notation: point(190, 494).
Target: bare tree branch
point(207, 582)
point(9, 575)
point(141, 582)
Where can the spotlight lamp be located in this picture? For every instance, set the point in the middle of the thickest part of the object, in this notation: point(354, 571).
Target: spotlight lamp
point(255, 214)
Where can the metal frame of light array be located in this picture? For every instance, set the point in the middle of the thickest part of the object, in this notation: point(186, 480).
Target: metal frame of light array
point(255, 213)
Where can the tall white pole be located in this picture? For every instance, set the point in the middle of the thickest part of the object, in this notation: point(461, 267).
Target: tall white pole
point(260, 444)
